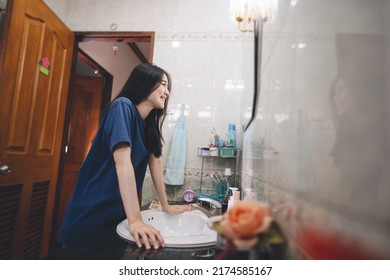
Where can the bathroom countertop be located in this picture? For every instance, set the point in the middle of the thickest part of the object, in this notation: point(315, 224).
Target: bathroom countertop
point(110, 246)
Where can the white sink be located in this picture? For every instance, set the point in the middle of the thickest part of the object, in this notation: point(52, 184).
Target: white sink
point(188, 229)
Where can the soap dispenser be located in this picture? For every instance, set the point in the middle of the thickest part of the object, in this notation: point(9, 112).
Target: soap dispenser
point(235, 196)
point(230, 203)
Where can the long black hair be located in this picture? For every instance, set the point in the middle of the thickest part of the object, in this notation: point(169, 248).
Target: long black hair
point(143, 80)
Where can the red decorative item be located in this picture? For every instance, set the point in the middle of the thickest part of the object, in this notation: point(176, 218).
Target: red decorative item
point(44, 65)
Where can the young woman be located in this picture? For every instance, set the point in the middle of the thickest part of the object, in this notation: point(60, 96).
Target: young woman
point(110, 180)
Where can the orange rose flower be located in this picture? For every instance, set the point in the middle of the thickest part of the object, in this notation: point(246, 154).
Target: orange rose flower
point(244, 221)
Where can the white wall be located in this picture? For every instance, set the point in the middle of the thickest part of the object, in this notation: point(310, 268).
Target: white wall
point(140, 15)
point(119, 63)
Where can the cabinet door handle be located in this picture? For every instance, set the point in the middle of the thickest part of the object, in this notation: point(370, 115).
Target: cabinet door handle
point(5, 169)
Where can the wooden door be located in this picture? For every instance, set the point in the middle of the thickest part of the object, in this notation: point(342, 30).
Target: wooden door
point(32, 111)
point(83, 124)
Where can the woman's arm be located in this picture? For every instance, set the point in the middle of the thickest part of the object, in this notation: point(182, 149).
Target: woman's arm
point(128, 191)
point(157, 172)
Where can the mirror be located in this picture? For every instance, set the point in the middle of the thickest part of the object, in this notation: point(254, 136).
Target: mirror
point(249, 101)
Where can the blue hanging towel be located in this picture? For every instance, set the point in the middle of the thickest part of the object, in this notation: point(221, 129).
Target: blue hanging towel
point(175, 169)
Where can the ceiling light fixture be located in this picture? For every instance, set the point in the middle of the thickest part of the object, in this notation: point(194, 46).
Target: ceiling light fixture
point(247, 12)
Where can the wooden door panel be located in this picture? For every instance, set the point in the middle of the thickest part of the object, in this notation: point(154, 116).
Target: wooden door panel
point(34, 117)
point(21, 105)
point(53, 100)
point(78, 131)
point(32, 110)
point(9, 204)
point(36, 220)
point(83, 124)
point(84, 119)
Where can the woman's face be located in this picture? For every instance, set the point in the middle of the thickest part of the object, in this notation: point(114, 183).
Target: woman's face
point(160, 94)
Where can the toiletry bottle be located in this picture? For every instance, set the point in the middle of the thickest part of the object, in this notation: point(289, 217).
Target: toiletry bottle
point(232, 134)
point(228, 141)
point(212, 139)
point(235, 196)
point(230, 202)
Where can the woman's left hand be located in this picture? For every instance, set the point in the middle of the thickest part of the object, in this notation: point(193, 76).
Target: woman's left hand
point(176, 209)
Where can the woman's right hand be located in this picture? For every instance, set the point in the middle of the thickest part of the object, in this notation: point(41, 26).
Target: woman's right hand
point(146, 233)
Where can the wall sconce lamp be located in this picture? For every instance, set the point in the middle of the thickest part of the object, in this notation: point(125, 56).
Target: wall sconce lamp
point(247, 12)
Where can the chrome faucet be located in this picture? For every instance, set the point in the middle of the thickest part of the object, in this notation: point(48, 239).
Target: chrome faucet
point(208, 206)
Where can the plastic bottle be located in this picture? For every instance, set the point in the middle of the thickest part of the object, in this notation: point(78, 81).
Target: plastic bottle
point(212, 139)
point(235, 195)
point(228, 141)
point(232, 134)
point(230, 202)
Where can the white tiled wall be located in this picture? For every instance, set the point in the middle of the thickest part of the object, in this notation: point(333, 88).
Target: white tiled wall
point(203, 71)
point(210, 78)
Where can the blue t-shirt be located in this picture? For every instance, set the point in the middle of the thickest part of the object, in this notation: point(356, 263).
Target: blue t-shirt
point(96, 200)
